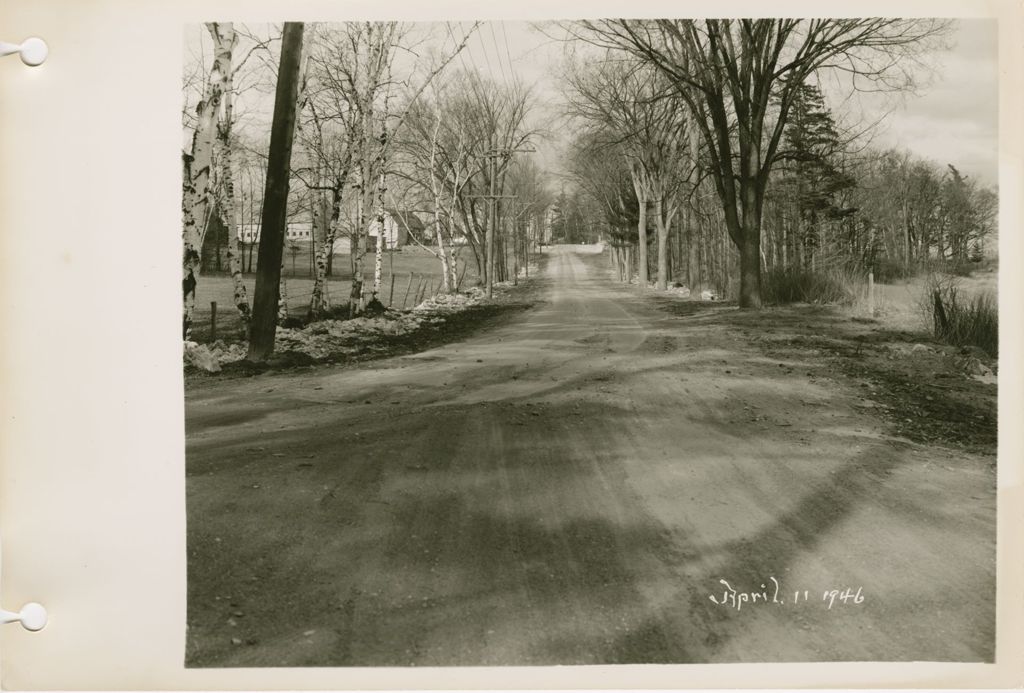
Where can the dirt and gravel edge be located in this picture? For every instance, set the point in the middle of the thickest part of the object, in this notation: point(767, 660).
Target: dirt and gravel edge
point(437, 321)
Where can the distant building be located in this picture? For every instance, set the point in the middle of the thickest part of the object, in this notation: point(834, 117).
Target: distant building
point(297, 231)
point(545, 230)
point(398, 225)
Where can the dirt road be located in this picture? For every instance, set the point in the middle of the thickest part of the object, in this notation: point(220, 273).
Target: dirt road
point(576, 486)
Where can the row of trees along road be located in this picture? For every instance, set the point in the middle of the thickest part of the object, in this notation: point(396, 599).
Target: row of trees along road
point(719, 124)
point(687, 127)
point(380, 117)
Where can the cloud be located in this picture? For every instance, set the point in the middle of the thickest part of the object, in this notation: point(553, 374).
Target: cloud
point(955, 118)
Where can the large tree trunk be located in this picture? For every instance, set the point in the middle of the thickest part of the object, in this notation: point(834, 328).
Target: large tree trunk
point(688, 222)
point(662, 282)
point(750, 249)
point(641, 228)
point(275, 206)
point(473, 233)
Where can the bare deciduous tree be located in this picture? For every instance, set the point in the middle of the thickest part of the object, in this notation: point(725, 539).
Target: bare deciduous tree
point(738, 78)
point(623, 102)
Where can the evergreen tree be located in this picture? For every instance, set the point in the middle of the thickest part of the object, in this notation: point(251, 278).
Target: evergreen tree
point(813, 179)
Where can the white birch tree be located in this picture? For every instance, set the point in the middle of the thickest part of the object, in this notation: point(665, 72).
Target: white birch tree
point(225, 40)
point(197, 192)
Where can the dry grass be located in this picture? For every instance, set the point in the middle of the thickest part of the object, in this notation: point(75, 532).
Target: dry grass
point(780, 286)
point(961, 318)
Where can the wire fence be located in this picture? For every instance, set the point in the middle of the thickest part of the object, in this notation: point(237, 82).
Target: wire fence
point(216, 316)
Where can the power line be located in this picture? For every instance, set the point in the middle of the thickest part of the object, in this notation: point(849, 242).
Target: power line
point(469, 50)
point(475, 81)
point(508, 50)
point(497, 52)
point(455, 46)
point(487, 60)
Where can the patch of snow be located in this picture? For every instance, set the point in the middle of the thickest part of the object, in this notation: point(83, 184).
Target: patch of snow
point(202, 357)
point(326, 337)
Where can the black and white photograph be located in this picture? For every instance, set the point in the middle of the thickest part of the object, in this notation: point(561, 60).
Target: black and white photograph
point(589, 342)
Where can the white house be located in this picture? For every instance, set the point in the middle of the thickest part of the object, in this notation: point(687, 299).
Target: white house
point(297, 231)
point(396, 229)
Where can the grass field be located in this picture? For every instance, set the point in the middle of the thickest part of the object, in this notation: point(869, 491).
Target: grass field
point(411, 267)
point(900, 304)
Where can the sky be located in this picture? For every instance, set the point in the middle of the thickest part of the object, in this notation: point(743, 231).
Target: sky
point(955, 119)
point(952, 119)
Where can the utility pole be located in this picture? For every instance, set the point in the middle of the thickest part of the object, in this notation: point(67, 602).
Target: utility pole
point(491, 220)
point(520, 239)
point(515, 244)
point(492, 199)
point(275, 200)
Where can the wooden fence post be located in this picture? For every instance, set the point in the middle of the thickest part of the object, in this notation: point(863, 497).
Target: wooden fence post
point(407, 288)
point(941, 323)
point(213, 321)
point(871, 293)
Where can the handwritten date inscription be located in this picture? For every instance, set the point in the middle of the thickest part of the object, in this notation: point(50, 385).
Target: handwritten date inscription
point(771, 592)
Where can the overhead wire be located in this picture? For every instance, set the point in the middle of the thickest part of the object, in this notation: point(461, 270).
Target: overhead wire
point(497, 51)
point(455, 46)
point(508, 49)
point(469, 50)
point(487, 60)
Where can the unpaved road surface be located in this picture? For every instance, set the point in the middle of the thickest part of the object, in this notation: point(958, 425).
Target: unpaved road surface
point(572, 487)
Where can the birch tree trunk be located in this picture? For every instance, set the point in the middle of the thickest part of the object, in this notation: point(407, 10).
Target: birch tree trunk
point(447, 284)
point(282, 297)
point(442, 252)
point(224, 42)
point(196, 197)
point(320, 301)
point(378, 260)
point(230, 217)
point(358, 246)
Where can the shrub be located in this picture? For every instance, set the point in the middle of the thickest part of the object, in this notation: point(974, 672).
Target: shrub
point(793, 285)
point(960, 267)
point(962, 320)
point(889, 270)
